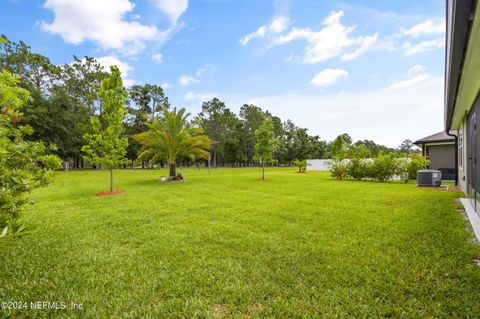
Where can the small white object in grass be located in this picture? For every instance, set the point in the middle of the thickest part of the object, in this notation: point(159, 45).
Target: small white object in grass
point(163, 179)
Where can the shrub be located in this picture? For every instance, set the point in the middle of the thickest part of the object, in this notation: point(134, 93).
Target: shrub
point(409, 166)
point(339, 169)
point(359, 165)
point(417, 162)
point(402, 168)
point(359, 168)
point(385, 166)
point(24, 165)
point(301, 164)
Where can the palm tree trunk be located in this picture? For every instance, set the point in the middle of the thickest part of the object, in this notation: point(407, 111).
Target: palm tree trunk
point(173, 169)
point(111, 180)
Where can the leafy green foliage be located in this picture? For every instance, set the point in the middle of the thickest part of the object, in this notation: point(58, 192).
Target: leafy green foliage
point(105, 145)
point(407, 147)
point(385, 166)
point(264, 145)
point(301, 164)
point(417, 162)
point(24, 165)
point(339, 168)
point(144, 104)
point(359, 165)
point(410, 164)
point(382, 167)
point(171, 137)
point(339, 147)
point(63, 98)
point(224, 129)
point(297, 143)
point(149, 101)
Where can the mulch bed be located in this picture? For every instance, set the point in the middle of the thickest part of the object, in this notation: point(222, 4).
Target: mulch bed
point(102, 194)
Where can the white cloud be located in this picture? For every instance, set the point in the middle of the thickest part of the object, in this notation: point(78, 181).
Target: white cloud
point(276, 26)
point(186, 80)
point(424, 46)
point(172, 8)
point(366, 43)
point(157, 58)
point(201, 97)
point(416, 69)
point(426, 27)
point(328, 77)
point(125, 68)
point(165, 85)
point(415, 76)
point(329, 41)
point(411, 82)
point(102, 22)
point(206, 69)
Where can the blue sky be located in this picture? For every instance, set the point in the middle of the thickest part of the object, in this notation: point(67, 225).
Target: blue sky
point(373, 69)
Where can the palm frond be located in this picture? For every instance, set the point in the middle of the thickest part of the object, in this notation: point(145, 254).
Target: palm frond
point(171, 137)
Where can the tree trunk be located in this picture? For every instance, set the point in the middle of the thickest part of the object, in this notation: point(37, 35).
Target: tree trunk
point(111, 180)
point(263, 170)
point(208, 164)
point(173, 169)
point(215, 157)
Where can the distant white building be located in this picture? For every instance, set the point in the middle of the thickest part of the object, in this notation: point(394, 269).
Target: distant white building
point(318, 165)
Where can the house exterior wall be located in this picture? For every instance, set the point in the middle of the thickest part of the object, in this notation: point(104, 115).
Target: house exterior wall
point(473, 154)
point(462, 155)
point(441, 156)
point(462, 88)
point(469, 155)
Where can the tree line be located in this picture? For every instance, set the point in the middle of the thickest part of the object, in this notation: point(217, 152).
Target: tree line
point(64, 98)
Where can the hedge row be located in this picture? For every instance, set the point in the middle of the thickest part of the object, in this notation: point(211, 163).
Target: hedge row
point(383, 167)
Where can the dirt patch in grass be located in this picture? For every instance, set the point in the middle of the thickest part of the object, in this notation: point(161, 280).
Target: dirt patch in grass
point(102, 194)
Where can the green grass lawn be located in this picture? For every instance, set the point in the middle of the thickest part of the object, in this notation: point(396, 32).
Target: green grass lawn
point(229, 245)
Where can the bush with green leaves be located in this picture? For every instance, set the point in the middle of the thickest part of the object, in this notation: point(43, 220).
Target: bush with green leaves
point(301, 164)
point(385, 166)
point(359, 165)
point(339, 169)
point(24, 165)
point(382, 167)
point(417, 162)
point(409, 166)
point(360, 168)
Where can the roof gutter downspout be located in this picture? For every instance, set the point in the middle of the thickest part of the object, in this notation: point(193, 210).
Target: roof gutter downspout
point(456, 154)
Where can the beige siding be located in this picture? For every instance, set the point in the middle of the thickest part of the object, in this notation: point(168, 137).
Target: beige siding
point(441, 156)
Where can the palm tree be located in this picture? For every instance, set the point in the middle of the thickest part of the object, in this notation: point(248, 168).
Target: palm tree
point(170, 137)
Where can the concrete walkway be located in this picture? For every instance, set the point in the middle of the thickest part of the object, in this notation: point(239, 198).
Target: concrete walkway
point(472, 216)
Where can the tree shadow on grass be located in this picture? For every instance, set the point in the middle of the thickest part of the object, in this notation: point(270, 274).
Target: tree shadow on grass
point(155, 182)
